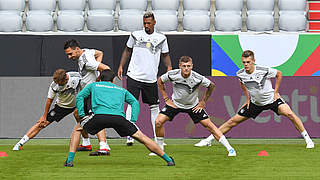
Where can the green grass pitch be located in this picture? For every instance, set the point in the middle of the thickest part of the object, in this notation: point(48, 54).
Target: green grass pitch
point(44, 158)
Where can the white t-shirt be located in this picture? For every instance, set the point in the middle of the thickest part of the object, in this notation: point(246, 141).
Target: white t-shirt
point(67, 93)
point(185, 90)
point(258, 84)
point(145, 58)
point(88, 67)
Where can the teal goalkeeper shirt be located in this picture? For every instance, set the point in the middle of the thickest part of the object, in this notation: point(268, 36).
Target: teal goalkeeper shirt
point(107, 98)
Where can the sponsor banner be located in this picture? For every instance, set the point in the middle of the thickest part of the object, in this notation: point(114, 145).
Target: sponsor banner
point(301, 93)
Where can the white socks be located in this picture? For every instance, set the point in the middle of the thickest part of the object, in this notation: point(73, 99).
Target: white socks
point(160, 142)
point(23, 140)
point(154, 113)
point(86, 141)
point(210, 138)
point(103, 145)
point(306, 136)
point(225, 142)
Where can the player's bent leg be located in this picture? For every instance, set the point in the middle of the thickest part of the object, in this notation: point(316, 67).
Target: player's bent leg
point(130, 140)
point(153, 147)
point(161, 119)
point(86, 145)
point(232, 122)
point(285, 110)
point(31, 133)
point(154, 110)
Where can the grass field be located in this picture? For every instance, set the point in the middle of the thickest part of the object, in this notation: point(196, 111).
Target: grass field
point(44, 158)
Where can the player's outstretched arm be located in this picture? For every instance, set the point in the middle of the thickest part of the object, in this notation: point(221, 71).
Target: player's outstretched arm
point(125, 56)
point(246, 93)
point(167, 61)
point(165, 96)
point(204, 98)
point(278, 82)
point(102, 67)
point(43, 118)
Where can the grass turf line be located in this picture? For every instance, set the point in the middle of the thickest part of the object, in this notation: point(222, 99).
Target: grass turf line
point(44, 158)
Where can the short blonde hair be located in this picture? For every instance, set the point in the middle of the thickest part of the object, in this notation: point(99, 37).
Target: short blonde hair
point(60, 77)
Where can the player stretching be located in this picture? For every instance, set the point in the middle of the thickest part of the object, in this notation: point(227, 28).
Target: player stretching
point(146, 47)
point(89, 63)
point(185, 99)
point(64, 85)
point(108, 108)
point(256, 85)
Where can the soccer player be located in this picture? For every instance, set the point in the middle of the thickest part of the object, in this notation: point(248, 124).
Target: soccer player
point(146, 46)
point(256, 85)
point(186, 84)
point(108, 109)
point(65, 86)
point(89, 65)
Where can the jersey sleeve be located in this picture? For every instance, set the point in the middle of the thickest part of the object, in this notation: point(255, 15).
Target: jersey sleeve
point(165, 47)
point(272, 73)
point(51, 93)
point(130, 41)
point(205, 82)
point(84, 93)
point(165, 77)
point(130, 99)
point(92, 63)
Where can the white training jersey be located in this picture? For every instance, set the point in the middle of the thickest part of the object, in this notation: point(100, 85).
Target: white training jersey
point(258, 84)
point(88, 67)
point(185, 90)
point(67, 93)
point(145, 58)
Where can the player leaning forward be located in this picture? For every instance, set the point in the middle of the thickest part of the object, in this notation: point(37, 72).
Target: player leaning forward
point(65, 85)
point(256, 85)
point(186, 84)
point(108, 112)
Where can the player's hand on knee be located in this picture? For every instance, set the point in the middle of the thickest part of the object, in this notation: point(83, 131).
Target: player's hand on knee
point(276, 96)
point(169, 102)
point(42, 122)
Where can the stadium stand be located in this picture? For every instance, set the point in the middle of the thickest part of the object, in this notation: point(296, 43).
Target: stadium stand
point(130, 14)
point(71, 15)
point(292, 15)
point(11, 12)
point(166, 14)
point(196, 15)
point(40, 15)
point(228, 15)
point(100, 16)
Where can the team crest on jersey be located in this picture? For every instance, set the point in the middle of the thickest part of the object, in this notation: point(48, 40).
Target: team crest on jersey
point(148, 45)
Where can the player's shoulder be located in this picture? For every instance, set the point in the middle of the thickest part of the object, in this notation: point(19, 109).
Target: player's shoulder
point(73, 74)
point(262, 68)
point(196, 75)
point(240, 71)
point(54, 86)
point(174, 72)
point(160, 34)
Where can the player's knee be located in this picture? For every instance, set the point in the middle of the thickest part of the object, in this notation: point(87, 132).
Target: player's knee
point(232, 123)
point(158, 123)
point(290, 115)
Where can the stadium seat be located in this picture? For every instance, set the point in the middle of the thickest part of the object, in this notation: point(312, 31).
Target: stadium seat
point(292, 21)
point(229, 5)
point(70, 21)
point(78, 5)
point(260, 20)
point(165, 5)
point(134, 4)
point(130, 20)
point(260, 5)
point(10, 21)
point(12, 5)
point(196, 20)
point(227, 21)
point(101, 15)
point(39, 21)
point(40, 15)
point(196, 5)
point(166, 20)
point(166, 14)
point(292, 15)
point(292, 5)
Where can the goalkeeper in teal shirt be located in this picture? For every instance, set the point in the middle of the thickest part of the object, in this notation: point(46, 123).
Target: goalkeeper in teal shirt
point(108, 112)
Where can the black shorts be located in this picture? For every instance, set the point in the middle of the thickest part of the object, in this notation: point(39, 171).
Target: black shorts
point(255, 110)
point(98, 122)
point(149, 91)
point(57, 113)
point(172, 112)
